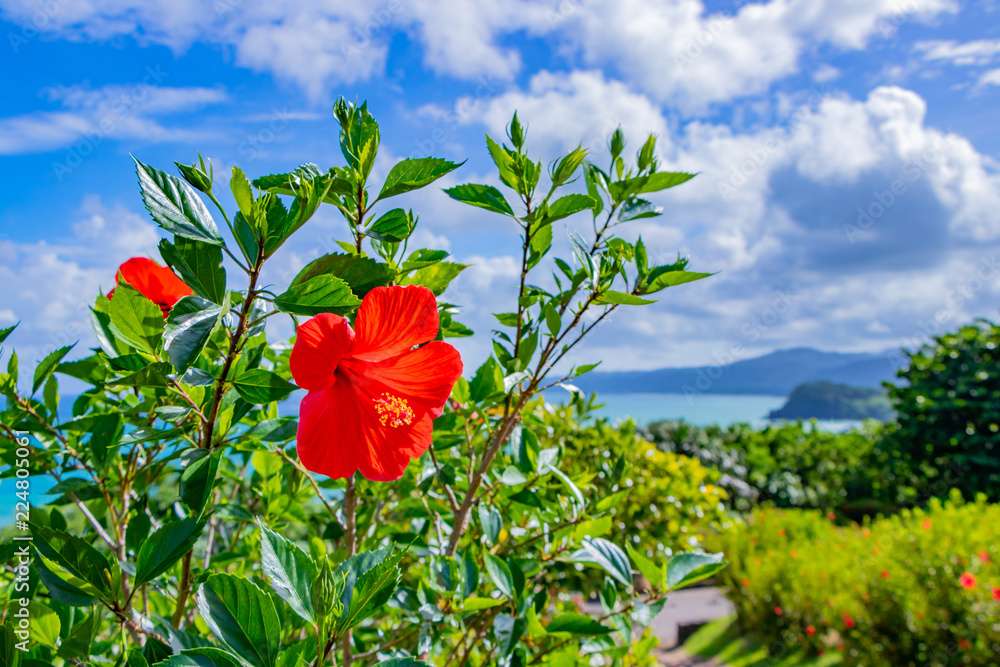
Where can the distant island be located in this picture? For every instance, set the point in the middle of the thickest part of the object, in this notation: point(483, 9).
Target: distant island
point(774, 374)
point(829, 400)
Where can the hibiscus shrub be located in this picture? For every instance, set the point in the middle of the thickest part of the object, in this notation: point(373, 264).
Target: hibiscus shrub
point(919, 588)
point(404, 512)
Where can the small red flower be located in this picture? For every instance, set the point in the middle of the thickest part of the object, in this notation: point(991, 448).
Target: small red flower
point(984, 556)
point(810, 630)
point(778, 611)
point(745, 583)
point(155, 282)
point(968, 580)
point(375, 389)
point(885, 574)
point(926, 524)
point(964, 644)
point(848, 621)
point(996, 593)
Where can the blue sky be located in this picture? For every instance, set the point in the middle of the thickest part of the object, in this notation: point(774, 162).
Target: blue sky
point(848, 193)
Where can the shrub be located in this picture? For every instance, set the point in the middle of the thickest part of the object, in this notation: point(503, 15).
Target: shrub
point(918, 588)
point(418, 512)
point(787, 465)
point(947, 404)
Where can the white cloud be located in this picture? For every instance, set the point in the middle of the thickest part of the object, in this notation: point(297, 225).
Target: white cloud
point(978, 52)
point(118, 112)
point(674, 50)
point(684, 56)
point(990, 78)
point(50, 284)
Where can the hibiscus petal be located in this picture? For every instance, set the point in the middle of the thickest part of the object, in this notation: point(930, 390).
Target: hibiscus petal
point(394, 319)
point(330, 438)
point(320, 343)
point(395, 449)
point(424, 376)
point(155, 282)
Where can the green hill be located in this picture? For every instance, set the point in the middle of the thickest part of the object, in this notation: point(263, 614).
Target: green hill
point(829, 400)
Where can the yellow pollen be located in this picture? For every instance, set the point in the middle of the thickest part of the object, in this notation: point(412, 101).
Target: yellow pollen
point(393, 411)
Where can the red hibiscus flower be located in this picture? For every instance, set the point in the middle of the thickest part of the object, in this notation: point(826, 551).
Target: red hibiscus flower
point(156, 283)
point(373, 393)
point(996, 593)
point(810, 630)
point(778, 611)
point(848, 621)
point(968, 580)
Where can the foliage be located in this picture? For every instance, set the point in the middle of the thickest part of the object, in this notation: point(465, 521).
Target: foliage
point(947, 403)
point(185, 530)
point(830, 400)
point(787, 465)
point(667, 503)
point(918, 588)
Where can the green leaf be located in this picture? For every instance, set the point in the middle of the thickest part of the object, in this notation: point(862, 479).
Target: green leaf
point(77, 557)
point(322, 294)
point(567, 205)
point(242, 193)
point(418, 259)
point(199, 265)
point(414, 173)
point(607, 555)
point(500, 574)
point(662, 180)
point(403, 662)
point(175, 206)
point(198, 478)
point(7, 331)
point(689, 568)
point(660, 281)
point(242, 616)
point(577, 624)
point(45, 624)
point(135, 319)
point(474, 603)
point(487, 382)
point(373, 587)
point(360, 273)
point(164, 547)
point(622, 298)
point(188, 328)
point(483, 196)
point(290, 570)
point(258, 385)
point(60, 590)
point(47, 366)
point(436, 277)
point(203, 656)
point(638, 209)
point(392, 226)
point(652, 572)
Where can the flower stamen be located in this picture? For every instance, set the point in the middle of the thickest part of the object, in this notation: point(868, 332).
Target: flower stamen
point(393, 411)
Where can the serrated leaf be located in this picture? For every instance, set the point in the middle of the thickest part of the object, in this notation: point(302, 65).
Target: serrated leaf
point(164, 547)
point(360, 273)
point(262, 386)
point(483, 196)
point(373, 587)
point(135, 319)
point(78, 558)
point(47, 366)
point(199, 265)
point(242, 616)
point(202, 656)
point(436, 277)
point(622, 299)
point(567, 205)
point(321, 294)
point(487, 381)
point(188, 328)
point(413, 173)
point(393, 226)
point(175, 206)
point(290, 570)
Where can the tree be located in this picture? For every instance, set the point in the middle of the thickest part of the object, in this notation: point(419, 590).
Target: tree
point(947, 404)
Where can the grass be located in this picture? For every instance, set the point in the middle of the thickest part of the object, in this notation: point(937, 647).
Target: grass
point(721, 641)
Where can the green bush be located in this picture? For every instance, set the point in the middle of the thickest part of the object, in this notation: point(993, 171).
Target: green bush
point(918, 588)
point(787, 465)
point(948, 413)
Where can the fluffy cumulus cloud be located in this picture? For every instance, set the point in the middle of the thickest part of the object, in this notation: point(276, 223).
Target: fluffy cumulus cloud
point(676, 51)
point(849, 223)
point(108, 112)
point(49, 284)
